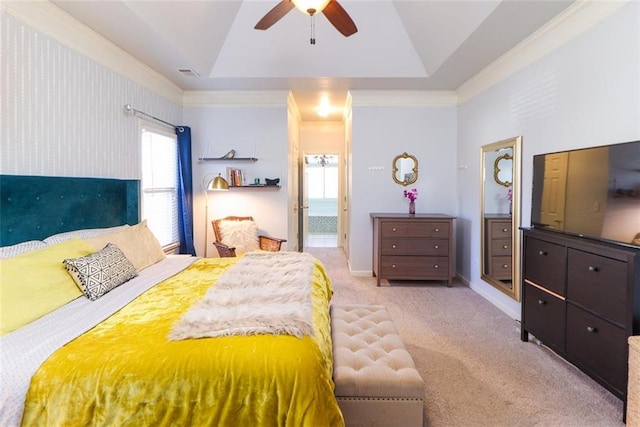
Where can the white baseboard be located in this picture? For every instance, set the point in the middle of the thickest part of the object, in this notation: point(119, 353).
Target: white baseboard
point(361, 273)
point(490, 295)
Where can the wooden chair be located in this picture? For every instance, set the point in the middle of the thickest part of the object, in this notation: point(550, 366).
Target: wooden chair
point(266, 243)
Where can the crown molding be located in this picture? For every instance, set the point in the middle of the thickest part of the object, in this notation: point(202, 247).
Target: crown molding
point(571, 23)
point(52, 21)
point(235, 98)
point(403, 98)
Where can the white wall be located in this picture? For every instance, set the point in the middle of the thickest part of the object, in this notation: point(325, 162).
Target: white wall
point(378, 135)
point(322, 137)
point(62, 113)
point(253, 131)
point(586, 93)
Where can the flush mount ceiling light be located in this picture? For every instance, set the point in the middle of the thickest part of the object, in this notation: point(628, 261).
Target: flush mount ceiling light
point(334, 12)
point(324, 108)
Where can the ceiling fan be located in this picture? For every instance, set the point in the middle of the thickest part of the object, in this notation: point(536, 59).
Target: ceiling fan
point(334, 12)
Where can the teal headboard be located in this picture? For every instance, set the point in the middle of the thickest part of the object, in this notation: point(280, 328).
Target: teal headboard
point(34, 207)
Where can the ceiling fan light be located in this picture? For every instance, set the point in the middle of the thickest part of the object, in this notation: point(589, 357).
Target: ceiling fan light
point(307, 6)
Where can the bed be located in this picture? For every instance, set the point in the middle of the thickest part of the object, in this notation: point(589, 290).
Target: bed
point(122, 359)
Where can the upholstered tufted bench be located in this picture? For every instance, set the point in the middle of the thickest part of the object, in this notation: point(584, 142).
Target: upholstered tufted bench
point(377, 383)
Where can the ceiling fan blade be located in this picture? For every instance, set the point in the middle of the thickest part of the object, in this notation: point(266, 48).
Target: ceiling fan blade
point(275, 14)
point(340, 18)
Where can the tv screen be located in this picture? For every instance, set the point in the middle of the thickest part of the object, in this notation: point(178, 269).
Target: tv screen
point(590, 192)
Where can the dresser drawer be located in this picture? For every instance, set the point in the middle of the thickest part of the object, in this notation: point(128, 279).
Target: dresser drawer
point(599, 283)
point(545, 317)
point(414, 229)
point(500, 229)
point(545, 264)
point(501, 247)
point(598, 345)
point(419, 247)
point(414, 267)
point(501, 267)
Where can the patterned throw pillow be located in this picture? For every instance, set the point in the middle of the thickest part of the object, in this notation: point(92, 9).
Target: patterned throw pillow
point(98, 273)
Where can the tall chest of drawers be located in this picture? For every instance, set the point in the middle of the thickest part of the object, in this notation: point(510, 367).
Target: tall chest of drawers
point(581, 298)
point(413, 247)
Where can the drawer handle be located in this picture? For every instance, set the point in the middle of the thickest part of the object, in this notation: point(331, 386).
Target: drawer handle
point(505, 246)
point(505, 229)
point(591, 330)
point(593, 268)
point(436, 247)
point(505, 266)
point(393, 266)
point(393, 229)
point(436, 229)
point(543, 253)
point(541, 302)
point(436, 266)
point(393, 246)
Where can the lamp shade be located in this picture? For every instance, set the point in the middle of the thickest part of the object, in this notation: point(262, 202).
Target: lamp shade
point(218, 184)
point(311, 7)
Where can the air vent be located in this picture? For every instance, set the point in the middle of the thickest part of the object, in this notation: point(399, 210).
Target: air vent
point(189, 72)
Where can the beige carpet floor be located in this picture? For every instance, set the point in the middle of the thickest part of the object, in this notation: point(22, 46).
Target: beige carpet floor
point(476, 369)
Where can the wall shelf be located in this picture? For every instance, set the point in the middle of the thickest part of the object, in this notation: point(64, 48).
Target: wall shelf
point(254, 187)
point(233, 159)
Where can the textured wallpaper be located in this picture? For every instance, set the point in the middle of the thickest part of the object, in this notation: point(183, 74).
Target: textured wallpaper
point(62, 113)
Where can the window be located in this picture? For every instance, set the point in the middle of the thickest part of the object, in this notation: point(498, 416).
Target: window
point(322, 176)
point(160, 183)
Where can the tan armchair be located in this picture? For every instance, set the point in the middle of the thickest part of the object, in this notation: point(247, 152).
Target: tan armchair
point(227, 247)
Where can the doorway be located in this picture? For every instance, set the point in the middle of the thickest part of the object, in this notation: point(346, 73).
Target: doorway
point(321, 180)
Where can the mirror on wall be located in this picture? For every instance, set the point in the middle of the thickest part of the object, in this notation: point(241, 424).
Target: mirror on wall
point(503, 170)
point(500, 215)
point(404, 169)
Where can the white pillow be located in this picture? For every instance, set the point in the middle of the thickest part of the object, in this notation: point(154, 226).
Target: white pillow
point(83, 234)
point(137, 243)
point(243, 235)
point(20, 248)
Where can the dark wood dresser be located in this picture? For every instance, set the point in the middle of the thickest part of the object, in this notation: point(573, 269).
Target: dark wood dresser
point(413, 247)
point(581, 298)
point(498, 246)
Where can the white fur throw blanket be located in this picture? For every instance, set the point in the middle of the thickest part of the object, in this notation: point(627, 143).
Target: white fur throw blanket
point(264, 293)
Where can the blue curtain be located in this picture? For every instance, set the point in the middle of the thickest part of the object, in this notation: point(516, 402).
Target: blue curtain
point(185, 191)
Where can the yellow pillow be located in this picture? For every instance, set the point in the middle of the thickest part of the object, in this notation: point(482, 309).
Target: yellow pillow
point(36, 283)
point(137, 243)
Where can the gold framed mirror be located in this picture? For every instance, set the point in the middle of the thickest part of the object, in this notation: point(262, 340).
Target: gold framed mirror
point(503, 170)
point(500, 215)
point(404, 169)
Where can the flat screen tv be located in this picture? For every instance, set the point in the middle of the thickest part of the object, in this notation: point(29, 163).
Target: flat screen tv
point(591, 192)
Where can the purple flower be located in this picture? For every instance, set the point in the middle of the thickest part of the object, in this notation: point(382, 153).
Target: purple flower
point(412, 194)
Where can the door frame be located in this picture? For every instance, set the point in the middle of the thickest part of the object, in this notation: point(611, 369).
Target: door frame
point(303, 201)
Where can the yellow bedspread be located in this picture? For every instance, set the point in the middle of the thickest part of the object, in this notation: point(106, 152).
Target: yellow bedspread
point(126, 372)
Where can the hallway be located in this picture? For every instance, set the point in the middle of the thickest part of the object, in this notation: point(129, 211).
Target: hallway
point(322, 240)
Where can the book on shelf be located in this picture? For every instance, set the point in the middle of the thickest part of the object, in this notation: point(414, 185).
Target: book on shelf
point(235, 177)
